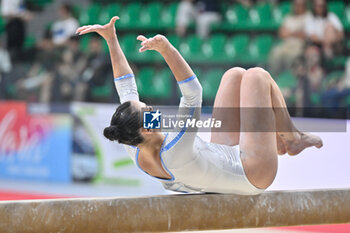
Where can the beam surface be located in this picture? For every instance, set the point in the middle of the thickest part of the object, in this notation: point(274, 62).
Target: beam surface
point(175, 212)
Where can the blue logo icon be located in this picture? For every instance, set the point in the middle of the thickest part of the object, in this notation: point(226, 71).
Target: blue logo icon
point(152, 120)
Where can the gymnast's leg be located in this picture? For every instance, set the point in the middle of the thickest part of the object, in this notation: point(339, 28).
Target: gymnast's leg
point(258, 147)
point(293, 140)
point(259, 97)
point(226, 108)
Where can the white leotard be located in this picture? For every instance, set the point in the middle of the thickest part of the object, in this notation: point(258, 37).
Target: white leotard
point(193, 164)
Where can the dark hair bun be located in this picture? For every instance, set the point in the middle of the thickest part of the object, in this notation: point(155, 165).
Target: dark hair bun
point(111, 133)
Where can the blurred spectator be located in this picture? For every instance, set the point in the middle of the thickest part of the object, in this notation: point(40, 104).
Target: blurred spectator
point(346, 81)
point(5, 62)
point(250, 3)
point(337, 90)
point(302, 89)
point(324, 33)
point(310, 74)
point(5, 68)
point(65, 27)
point(315, 72)
point(38, 83)
point(324, 29)
point(204, 12)
point(16, 15)
point(72, 64)
point(292, 34)
point(97, 70)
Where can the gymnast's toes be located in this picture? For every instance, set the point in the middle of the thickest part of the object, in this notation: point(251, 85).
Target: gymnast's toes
point(306, 140)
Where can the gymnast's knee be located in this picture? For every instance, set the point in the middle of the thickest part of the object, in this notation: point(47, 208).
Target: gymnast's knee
point(257, 74)
point(234, 74)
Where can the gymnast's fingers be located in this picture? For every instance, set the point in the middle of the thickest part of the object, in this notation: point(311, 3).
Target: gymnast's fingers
point(112, 21)
point(143, 48)
point(82, 28)
point(88, 30)
point(141, 38)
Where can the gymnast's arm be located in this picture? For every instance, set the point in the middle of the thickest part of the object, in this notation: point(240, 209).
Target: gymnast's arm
point(123, 75)
point(187, 80)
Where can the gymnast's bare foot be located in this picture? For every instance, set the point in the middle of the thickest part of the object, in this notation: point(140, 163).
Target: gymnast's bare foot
point(301, 142)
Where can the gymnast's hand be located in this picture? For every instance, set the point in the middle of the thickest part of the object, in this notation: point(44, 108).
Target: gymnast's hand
point(107, 31)
point(158, 43)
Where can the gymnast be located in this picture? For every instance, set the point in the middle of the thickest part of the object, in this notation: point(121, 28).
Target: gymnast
point(242, 162)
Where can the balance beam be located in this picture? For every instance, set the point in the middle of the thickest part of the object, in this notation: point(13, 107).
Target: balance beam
point(175, 212)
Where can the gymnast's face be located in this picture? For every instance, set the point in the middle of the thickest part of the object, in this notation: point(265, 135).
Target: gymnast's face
point(141, 107)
